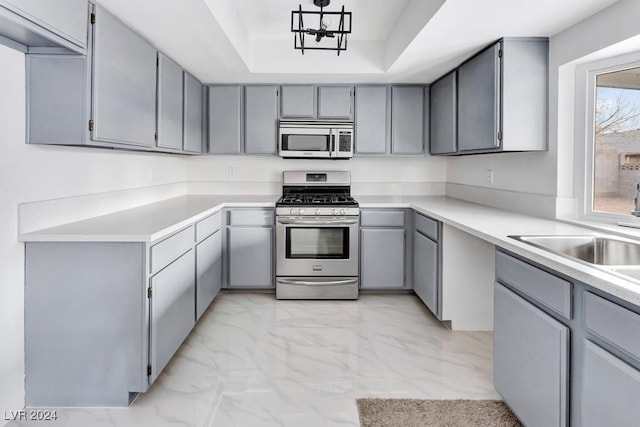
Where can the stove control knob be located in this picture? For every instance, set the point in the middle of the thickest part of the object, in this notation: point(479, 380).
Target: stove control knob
point(318, 211)
point(334, 211)
point(294, 211)
point(301, 211)
point(342, 212)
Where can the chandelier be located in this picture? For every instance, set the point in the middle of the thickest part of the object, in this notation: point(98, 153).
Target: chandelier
point(331, 25)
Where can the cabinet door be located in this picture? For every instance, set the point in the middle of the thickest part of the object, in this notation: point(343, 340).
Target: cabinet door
point(610, 389)
point(371, 120)
point(425, 271)
point(443, 115)
point(209, 271)
point(530, 360)
point(250, 257)
point(124, 84)
point(335, 102)
point(297, 102)
point(192, 137)
point(261, 119)
point(225, 119)
point(169, 104)
point(382, 258)
point(172, 304)
point(67, 18)
point(478, 101)
point(407, 116)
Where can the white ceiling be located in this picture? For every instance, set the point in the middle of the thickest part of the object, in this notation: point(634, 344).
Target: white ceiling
point(393, 40)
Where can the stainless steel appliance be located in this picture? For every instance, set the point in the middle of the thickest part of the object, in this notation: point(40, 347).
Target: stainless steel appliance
point(317, 246)
point(324, 140)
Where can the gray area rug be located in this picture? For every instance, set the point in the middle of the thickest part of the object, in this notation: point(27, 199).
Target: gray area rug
point(441, 413)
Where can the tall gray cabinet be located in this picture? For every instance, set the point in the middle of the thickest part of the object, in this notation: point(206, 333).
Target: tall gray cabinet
point(260, 119)
point(225, 119)
point(372, 119)
point(407, 119)
point(427, 272)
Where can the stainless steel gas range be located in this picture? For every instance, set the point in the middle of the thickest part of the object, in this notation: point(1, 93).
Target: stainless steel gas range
point(317, 224)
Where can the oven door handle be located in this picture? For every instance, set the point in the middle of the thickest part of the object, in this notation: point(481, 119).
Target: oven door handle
point(314, 222)
point(317, 283)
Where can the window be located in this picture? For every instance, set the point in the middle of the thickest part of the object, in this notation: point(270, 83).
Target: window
point(616, 141)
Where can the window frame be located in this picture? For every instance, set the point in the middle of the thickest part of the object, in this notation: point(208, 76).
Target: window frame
point(585, 131)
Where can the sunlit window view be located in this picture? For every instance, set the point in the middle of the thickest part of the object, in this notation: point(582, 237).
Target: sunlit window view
point(617, 141)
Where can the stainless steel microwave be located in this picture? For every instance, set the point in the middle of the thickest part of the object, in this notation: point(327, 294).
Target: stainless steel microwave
point(322, 140)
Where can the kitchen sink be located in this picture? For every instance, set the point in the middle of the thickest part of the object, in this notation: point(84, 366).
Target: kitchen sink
point(596, 250)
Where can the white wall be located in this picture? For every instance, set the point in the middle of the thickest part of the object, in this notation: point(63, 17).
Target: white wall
point(30, 173)
point(547, 178)
point(408, 175)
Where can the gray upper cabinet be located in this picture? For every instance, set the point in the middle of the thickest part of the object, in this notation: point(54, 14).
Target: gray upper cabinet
point(45, 23)
point(298, 102)
point(372, 120)
point(225, 119)
point(501, 100)
point(335, 102)
point(407, 119)
point(169, 104)
point(531, 360)
point(261, 119)
point(479, 96)
point(124, 97)
point(443, 114)
point(192, 119)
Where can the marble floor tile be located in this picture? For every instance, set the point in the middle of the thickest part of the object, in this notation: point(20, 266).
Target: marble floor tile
point(254, 361)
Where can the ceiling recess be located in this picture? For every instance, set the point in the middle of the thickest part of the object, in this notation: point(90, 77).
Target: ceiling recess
point(331, 25)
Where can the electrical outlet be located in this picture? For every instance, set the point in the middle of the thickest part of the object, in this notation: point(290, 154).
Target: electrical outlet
point(231, 174)
point(488, 176)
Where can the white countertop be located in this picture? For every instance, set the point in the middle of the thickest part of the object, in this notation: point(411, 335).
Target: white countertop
point(157, 220)
point(146, 223)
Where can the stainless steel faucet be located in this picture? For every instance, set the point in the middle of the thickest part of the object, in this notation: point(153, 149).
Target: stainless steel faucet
point(636, 201)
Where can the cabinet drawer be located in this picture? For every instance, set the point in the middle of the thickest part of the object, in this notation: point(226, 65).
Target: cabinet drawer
point(251, 217)
point(382, 218)
point(171, 248)
point(426, 226)
point(612, 323)
point(207, 226)
point(549, 290)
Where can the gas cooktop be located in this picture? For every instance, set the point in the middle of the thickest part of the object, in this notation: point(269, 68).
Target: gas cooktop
point(312, 199)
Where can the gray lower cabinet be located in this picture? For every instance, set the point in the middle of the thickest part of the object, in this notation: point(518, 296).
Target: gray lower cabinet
point(173, 299)
point(335, 102)
point(170, 83)
point(249, 258)
point(192, 136)
point(531, 360)
point(297, 102)
point(225, 119)
point(443, 115)
point(208, 271)
point(45, 24)
point(610, 389)
point(426, 283)
point(383, 249)
point(407, 119)
point(382, 258)
point(261, 119)
point(372, 120)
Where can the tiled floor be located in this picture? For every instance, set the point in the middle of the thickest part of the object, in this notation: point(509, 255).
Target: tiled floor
point(253, 361)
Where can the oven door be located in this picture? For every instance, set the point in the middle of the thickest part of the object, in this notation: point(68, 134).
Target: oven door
point(317, 246)
point(302, 142)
